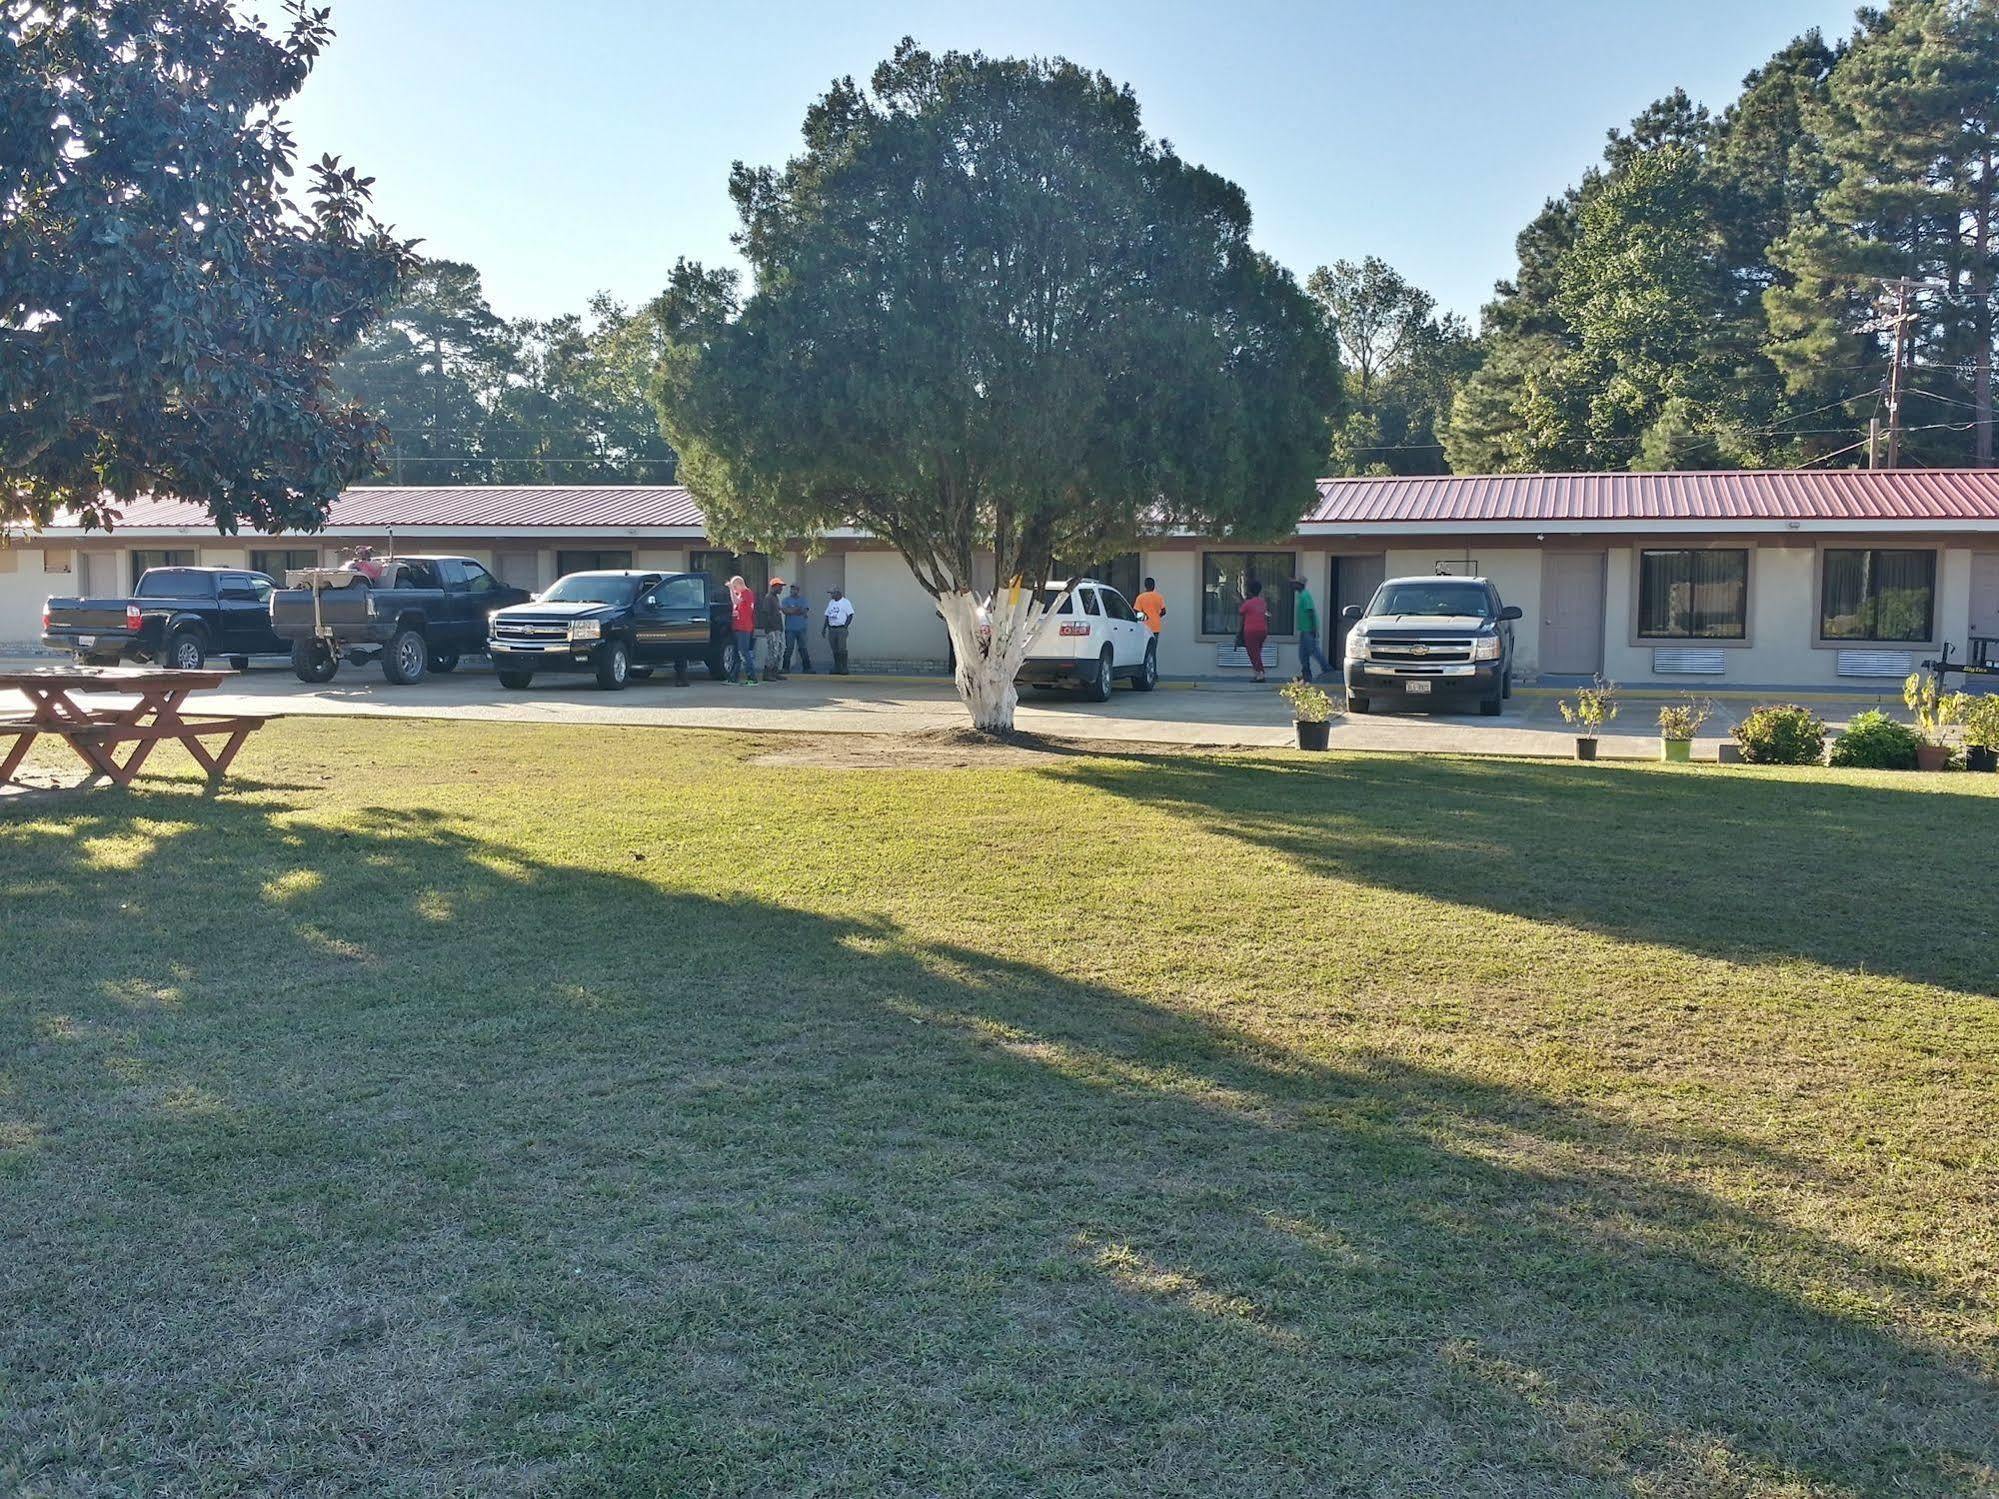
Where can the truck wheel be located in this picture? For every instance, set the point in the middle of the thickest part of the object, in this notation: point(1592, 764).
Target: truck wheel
point(614, 665)
point(1488, 707)
point(1098, 688)
point(717, 670)
point(515, 681)
point(443, 662)
point(1506, 685)
point(239, 663)
point(1356, 703)
point(185, 652)
point(312, 661)
point(404, 661)
point(1148, 673)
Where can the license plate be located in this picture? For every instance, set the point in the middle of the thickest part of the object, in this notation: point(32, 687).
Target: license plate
point(1416, 685)
point(86, 640)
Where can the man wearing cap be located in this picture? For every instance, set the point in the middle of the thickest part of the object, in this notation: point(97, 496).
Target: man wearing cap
point(770, 626)
point(797, 620)
point(839, 615)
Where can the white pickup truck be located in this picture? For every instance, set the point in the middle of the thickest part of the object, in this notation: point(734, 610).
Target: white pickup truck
point(1092, 638)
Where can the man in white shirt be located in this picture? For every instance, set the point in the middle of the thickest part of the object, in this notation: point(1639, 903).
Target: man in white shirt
point(839, 615)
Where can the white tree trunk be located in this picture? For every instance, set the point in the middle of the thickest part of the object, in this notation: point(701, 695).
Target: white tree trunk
point(990, 637)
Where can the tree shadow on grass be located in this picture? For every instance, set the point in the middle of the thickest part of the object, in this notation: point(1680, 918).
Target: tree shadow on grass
point(1740, 866)
point(383, 1156)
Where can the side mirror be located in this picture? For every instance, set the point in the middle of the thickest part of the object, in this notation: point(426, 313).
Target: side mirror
point(1351, 614)
point(1511, 611)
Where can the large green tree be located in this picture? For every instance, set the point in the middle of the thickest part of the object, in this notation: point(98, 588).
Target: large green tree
point(993, 316)
point(1403, 363)
point(169, 315)
point(1910, 131)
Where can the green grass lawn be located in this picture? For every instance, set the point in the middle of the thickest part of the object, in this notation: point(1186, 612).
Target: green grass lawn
point(464, 1108)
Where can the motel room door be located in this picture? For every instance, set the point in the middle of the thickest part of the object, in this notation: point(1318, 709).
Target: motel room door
point(1985, 595)
point(1572, 614)
point(1354, 581)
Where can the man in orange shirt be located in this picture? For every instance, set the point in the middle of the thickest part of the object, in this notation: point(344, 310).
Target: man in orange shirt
point(1152, 605)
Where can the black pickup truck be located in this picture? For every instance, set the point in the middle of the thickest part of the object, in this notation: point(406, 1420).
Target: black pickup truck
point(421, 616)
point(177, 616)
point(619, 625)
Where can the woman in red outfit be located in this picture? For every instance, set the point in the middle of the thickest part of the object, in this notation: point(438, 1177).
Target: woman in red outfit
point(1255, 625)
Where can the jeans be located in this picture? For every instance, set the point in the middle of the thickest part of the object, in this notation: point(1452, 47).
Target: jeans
point(746, 656)
point(794, 641)
point(1309, 650)
point(836, 637)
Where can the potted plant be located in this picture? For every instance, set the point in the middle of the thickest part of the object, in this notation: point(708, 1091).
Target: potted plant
point(1935, 712)
point(1678, 723)
point(1312, 713)
point(1981, 733)
point(1595, 706)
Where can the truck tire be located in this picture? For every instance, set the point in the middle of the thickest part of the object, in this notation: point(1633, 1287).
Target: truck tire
point(1148, 671)
point(313, 662)
point(1356, 703)
point(443, 662)
point(1098, 688)
point(186, 651)
point(1488, 707)
point(515, 681)
point(407, 657)
point(717, 669)
point(239, 663)
point(614, 665)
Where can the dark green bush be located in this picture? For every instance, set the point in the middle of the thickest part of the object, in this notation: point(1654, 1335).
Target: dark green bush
point(1874, 741)
point(1781, 734)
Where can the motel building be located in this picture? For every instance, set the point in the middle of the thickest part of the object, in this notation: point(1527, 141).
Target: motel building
point(1794, 579)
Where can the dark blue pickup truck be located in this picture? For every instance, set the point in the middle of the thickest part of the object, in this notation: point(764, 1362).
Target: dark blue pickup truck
point(178, 617)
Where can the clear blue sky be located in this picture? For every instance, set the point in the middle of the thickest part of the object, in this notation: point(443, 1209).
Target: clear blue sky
point(564, 148)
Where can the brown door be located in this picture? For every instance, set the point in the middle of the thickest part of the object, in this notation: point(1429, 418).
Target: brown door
point(1572, 613)
point(1985, 596)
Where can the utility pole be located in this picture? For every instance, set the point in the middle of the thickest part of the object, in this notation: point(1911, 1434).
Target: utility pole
point(1901, 285)
point(1873, 442)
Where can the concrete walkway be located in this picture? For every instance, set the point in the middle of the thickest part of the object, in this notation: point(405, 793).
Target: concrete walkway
point(1179, 713)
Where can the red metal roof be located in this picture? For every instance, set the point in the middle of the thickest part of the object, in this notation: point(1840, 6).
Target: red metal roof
point(1610, 499)
point(554, 507)
point(1616, 498)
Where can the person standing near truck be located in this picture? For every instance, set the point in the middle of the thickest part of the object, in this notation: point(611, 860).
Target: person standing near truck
point(797, 621)
point(743, 626)
point(770, 630)
point(1309, 645)
point(839, 616)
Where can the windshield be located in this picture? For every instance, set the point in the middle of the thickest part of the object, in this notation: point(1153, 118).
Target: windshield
point(593, 588)
point(1438, 598)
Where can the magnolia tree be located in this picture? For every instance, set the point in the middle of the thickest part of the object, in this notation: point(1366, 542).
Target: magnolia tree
point(995, 325)
point(169, 315)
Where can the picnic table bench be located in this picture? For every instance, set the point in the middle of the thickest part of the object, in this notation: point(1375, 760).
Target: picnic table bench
point(96, 734)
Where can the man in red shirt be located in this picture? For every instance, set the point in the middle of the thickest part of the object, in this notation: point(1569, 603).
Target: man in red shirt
point(743, 621)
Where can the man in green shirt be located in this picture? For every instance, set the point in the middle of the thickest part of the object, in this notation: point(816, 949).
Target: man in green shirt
point(1310, 646)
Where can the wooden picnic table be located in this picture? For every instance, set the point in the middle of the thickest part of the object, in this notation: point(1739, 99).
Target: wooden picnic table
point(97, 733)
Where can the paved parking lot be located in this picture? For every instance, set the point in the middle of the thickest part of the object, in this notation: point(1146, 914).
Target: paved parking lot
point(1179, 713)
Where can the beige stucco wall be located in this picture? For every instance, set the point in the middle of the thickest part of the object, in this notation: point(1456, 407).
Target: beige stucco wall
point(895, 621)
point(23, 586)
point(1783, 622)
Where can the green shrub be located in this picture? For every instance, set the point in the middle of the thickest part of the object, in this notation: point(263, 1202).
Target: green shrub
point(1874, 741)
point(1781, 734)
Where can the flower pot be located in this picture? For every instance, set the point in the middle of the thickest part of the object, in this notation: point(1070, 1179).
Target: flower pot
point(1585, 748)
point(1676, 751)
point(1932, 756)
point(1313, 736)
point(1981, 757)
